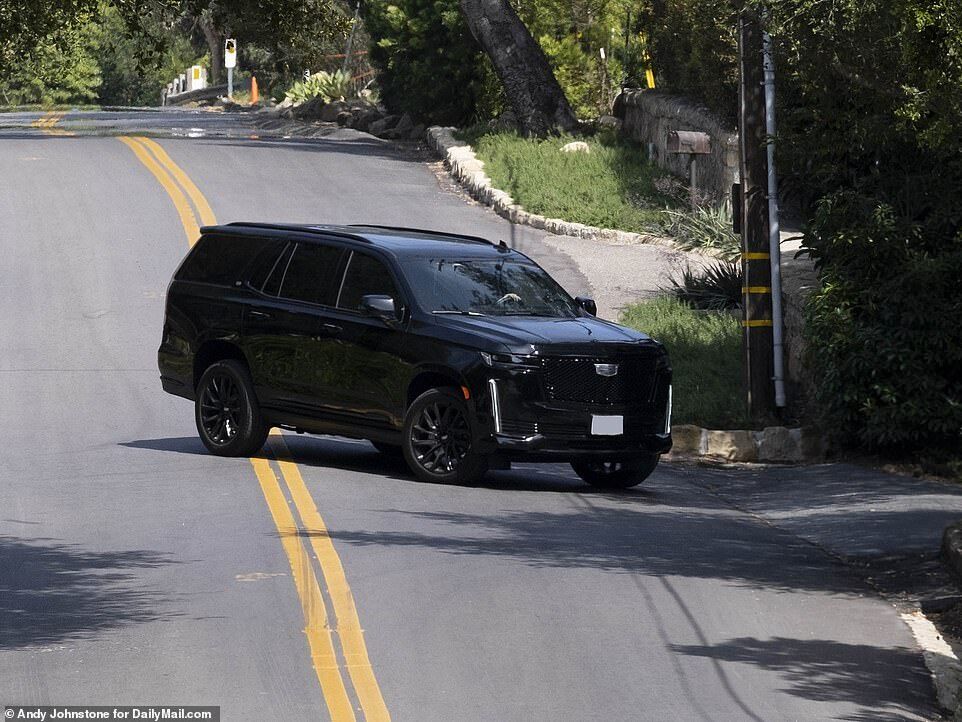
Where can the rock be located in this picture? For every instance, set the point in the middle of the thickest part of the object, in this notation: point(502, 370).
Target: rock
point(309, 109)
point(286, 103)
point(731, 445)
point(383, 125)
point(404, 127)
point(344, 118)
point(776, 443)
point(417, 132)
point(363, 119)
point(331, 110)
point(577, 146)
point(686, 440)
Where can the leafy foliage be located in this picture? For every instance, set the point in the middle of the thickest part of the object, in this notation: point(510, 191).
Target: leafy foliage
point(715, 288)
point(329, 86)
point(704, 228)
point(60, 69)
point(429, 63)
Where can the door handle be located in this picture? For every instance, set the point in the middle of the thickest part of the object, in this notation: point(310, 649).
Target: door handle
point(259, 314)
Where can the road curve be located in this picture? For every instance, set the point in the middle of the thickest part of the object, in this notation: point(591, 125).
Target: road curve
point(135, 568)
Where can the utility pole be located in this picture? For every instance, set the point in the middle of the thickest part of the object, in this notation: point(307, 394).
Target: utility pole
point(756, 255)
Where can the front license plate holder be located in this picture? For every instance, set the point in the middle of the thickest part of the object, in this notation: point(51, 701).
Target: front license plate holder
point(607, 425)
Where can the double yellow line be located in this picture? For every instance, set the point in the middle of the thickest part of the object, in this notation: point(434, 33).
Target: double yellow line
point(47, 122)
point(323, 638)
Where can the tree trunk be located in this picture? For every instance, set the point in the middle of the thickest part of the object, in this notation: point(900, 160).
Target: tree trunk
point(215, 43)
point(529, 83)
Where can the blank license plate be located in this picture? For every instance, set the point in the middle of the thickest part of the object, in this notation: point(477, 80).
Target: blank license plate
point(607, 425)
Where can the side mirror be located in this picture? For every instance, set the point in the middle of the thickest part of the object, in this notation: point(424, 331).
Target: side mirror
point(588, 304)
point(381, 307)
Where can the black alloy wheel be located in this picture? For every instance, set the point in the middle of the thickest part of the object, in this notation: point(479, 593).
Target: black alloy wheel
point(228, 418)
point(438, 439)
point(604, 474)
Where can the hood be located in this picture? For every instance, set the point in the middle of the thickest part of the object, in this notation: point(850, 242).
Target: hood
point(525, 334)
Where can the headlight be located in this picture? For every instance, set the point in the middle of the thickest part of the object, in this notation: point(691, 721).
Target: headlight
point(510, 361)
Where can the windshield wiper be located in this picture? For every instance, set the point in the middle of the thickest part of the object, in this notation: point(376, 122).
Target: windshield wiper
point(461, 313)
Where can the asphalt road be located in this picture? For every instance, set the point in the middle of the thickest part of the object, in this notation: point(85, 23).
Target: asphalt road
point(137, 569)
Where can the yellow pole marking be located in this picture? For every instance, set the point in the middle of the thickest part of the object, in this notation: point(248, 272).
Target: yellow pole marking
point(348, 623)
point(317, 629)
point(187, 219)
point(308, 590)
point(754, 256)
point(758, 322)
point(756, 289)
point(200, 203)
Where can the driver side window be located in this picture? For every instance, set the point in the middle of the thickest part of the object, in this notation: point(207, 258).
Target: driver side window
point(365, 276)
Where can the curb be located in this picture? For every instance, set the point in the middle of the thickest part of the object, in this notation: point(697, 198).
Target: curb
point(465, 167)
point(773, 444)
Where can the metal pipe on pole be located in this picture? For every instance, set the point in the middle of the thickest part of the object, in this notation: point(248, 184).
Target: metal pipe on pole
point(774, 234)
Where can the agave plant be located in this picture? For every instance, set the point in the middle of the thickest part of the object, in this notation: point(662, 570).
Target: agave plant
point(715, 288)
point(329, 86)
point(705, 227)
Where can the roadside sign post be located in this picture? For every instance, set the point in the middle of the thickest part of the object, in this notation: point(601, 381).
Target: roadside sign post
point(230, 61)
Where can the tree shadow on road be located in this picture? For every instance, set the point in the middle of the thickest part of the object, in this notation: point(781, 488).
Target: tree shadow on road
point(885, 683)
point(53, 593)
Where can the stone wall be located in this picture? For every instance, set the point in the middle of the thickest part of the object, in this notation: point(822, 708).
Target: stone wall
point(648, 115)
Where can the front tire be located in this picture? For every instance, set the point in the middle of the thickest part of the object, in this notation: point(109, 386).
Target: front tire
point(438, 441)
point(228, 417)
point(624, 474)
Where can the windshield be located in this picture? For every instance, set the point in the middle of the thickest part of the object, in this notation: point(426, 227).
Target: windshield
point(495, 287)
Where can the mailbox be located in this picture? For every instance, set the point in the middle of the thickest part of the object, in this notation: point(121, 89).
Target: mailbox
point(689, 141)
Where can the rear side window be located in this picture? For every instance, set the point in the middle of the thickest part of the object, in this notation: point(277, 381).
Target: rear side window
point(312, 274)
point(365, 276)
point(220, 259)
point(266, 262)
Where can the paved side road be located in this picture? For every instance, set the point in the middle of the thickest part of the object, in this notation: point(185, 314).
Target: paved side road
point(135, 567)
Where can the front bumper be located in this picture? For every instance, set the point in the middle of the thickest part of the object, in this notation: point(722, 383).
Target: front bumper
point(519, 420)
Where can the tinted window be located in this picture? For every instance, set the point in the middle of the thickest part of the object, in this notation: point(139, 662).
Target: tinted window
point(273, 285)
point(312, 275)
point(502, 287)
point(220, 259)
point(365, 276)
point(266, 262)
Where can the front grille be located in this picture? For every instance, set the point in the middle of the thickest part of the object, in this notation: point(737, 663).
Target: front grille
point(576, 379)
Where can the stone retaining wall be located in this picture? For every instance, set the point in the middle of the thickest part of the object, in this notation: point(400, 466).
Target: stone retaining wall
point(648, 115)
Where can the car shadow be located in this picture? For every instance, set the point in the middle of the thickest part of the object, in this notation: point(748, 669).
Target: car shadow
point(326, 452)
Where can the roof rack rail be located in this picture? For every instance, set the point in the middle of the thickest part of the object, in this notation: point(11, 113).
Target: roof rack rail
point(442, 234)
point(307, 228)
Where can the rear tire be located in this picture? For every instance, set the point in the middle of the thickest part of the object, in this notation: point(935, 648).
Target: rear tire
point(615, 474)
point(228, 417)
point(438, 439)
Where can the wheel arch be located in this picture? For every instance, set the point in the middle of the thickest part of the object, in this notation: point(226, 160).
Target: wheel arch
point(212, 351)
point(432, 379)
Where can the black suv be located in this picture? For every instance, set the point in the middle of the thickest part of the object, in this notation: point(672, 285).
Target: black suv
point(456, 352)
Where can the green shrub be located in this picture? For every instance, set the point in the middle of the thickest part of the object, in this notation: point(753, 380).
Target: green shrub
point(884, 331)
point(717, 287)
point(429, 64)
point(329, 86)
point(706, 360)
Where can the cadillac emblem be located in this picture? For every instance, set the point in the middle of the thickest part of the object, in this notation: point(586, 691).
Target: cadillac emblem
point(606, 369)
